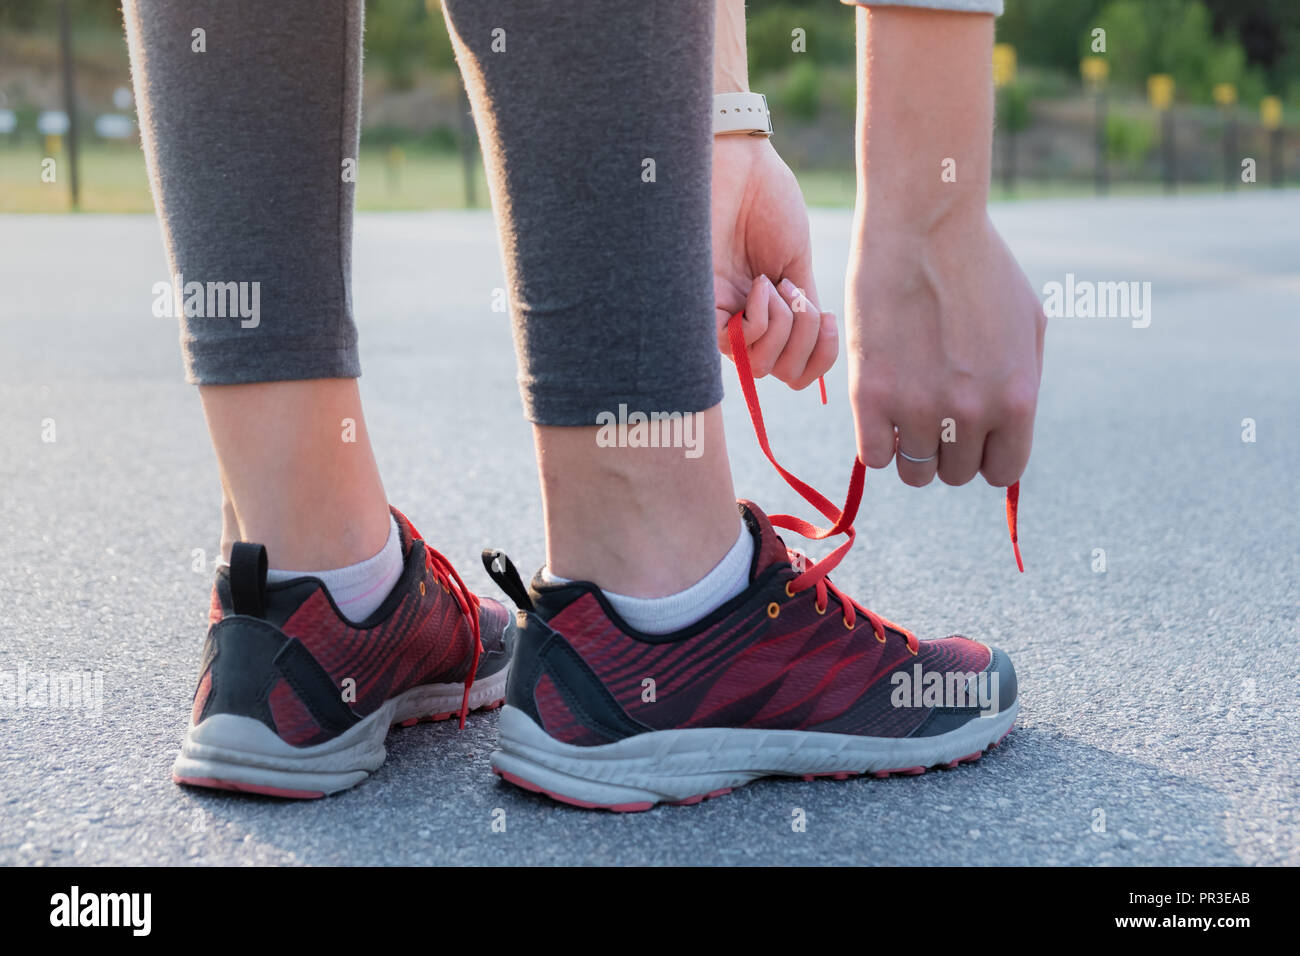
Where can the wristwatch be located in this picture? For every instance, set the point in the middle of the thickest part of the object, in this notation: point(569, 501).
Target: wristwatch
point(745, 113)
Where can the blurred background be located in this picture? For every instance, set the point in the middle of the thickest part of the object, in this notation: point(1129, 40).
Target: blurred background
point(1094, 96)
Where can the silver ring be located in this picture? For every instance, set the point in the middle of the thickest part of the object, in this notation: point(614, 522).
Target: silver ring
point(919, 461)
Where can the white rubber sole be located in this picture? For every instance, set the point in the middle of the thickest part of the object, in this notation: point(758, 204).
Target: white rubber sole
point(686, 766)
point(229, 752)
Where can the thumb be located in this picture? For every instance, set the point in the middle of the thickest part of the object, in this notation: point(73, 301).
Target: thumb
point(800, 272)
point(754, 320)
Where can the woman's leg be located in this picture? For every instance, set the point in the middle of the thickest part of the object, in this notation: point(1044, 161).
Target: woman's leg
point(249, 113)
point(594, 119)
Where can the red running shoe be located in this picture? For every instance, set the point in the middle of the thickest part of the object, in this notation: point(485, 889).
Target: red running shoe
point(294, 700)
point(790, 678)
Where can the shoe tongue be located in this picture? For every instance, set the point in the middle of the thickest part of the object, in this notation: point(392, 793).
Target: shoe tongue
point(769, 549)
point(406, 532)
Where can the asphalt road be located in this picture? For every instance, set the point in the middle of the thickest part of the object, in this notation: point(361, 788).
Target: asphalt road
point(1159, 697)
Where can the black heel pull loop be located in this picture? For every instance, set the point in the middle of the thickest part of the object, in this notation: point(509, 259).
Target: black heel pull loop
point(502, 571)
point(248, 578)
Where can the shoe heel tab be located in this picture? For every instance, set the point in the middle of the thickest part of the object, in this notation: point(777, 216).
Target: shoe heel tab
point(502, 570)
point(248, 579)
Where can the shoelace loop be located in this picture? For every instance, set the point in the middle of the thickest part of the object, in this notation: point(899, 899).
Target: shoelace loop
point(815, 575)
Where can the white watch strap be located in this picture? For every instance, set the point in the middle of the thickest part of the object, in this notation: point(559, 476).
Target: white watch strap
point(741, 113)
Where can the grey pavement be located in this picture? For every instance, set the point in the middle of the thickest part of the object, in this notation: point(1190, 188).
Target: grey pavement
point(1159, 697)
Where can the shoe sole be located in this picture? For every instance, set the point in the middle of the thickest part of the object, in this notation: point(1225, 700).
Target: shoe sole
point(229, 752)
point(685, 767)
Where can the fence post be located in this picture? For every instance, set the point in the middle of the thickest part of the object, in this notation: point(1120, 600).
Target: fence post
point(1095, 71)
point(1160, 91)
point(1225, 94)
point(1270, 115)
point(69, 100)
point(1004, 73)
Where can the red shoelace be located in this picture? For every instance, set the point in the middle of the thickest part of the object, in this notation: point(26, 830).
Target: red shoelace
point(445, 573)
point(842, 519)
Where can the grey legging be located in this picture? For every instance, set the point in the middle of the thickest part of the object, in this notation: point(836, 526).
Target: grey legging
point(609, 275)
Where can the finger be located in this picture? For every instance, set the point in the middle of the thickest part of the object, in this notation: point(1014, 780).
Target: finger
point(1006, 453)
point(961, 440)
point(919, 438)
point(754, 319)
point(722, 317)
point(765, 351)
point(726, 302)
point(800, 273)
point(805, 327)
point(875, 429)
point(827, 349)
point(959, 460)
point(1006, 449)
point(823, 354)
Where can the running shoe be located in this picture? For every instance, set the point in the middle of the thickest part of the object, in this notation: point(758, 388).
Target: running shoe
point(294, 700)
point(792, 677)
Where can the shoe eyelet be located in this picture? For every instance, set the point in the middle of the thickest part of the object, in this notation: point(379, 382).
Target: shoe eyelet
point(819, 609)
point(847, 625)
point(773, 609)
point(421, 589)
point(880, 638)
point(788, 592)
point(914, 652)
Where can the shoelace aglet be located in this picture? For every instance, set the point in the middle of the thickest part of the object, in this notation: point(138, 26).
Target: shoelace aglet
point(473, 667)
point(1013, 505)
point(469, 679)
point(821, 384)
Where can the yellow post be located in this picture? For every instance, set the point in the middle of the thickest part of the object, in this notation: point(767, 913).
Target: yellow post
point(1004, 74)
point(1225, 94)
point(1270, 112)
point(1160, 90)
point(1095, 70)
point(1004, 64)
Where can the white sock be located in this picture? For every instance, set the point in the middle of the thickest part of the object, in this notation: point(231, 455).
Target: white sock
point(665, 614)
point(359, 588)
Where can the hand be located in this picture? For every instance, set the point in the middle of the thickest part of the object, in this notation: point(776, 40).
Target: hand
point(762, 263)
point(945, 342)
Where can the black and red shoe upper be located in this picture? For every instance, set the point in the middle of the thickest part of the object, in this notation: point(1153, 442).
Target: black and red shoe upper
point(774, 657)
point(284, 654)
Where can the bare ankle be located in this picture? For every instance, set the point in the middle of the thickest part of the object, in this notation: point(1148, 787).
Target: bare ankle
point(302, 480)
point(643, 522)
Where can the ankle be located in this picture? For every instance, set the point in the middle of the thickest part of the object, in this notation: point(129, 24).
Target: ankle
point(309, 538)
point(641, 522)
point(303, 482)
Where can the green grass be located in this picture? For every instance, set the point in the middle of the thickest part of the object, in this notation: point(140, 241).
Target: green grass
point(416, 180)
point(825, 187)
point(113, 179)
point(831, 188)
